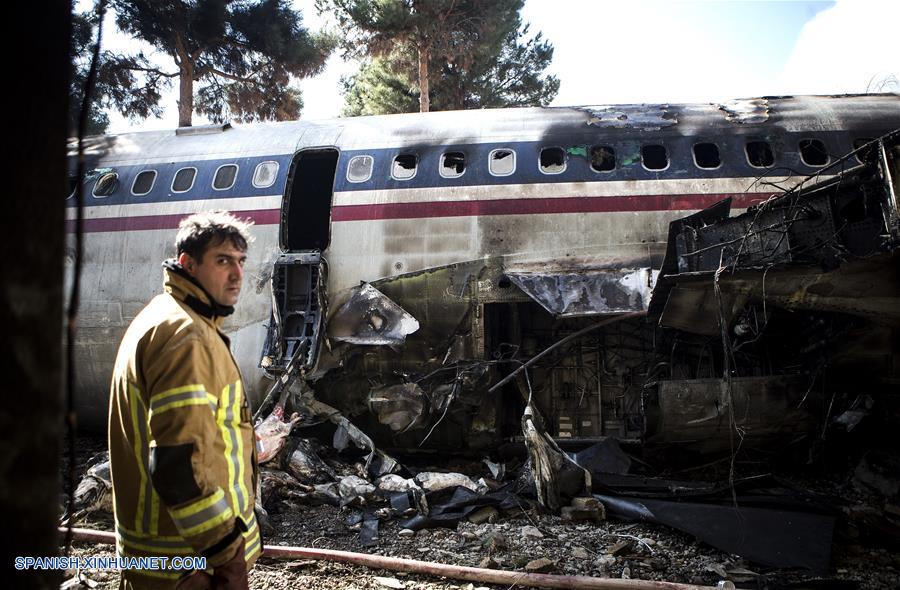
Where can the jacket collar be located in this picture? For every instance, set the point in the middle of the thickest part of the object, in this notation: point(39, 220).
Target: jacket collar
point(185, 288)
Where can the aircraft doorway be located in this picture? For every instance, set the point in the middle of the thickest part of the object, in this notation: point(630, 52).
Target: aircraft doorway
point(306, 217)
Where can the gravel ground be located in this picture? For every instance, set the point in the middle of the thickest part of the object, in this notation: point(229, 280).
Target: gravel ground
point(603, 549)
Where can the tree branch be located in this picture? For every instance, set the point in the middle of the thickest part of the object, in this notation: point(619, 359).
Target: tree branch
point(231, 76)
point(151, 71)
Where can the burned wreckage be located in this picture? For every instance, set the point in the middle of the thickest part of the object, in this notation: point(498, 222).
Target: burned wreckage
point(767, 330)
point(566, 284)
point(768, 326)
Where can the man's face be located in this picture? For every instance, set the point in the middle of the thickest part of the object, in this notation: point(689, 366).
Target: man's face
point(220, 271)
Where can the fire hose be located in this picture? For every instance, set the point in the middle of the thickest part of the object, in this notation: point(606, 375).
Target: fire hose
point(458, 572)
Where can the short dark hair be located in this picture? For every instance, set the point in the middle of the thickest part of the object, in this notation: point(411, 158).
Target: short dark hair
point(201, 230)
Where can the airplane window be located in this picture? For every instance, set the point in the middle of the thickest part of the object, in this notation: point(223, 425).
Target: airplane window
point(453, 164)
point(225, 177)
point(654, 157)
point(502, 162)
point(265, 174)
point(553, 160)
point(143, 182)
point(813, 152)
point(759, 154)
point(603, 158)
point(73, 184)
point(360, 168)
point(706, 155)
point(106, 184)
point(404, 166)
point(868, 153)
point(184, 180)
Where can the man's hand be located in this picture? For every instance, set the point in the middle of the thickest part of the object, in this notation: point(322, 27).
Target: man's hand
point(232, 575)
point(196, 580)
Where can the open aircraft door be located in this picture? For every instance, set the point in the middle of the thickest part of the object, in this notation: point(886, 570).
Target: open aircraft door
point(299, 275)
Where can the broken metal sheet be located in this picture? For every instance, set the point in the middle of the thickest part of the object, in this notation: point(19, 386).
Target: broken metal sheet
point(369, 317)
point(824, 224)
point(280, 491)
point(699, 412)
point(748, 111)
point(395, 483)
point(409, 502)
point(555, 475)
point(94, 491)
point(275, 485)
point(498, 470)
point(377, 462)
point(400, 407)
point(665, 281)
point(696, 310)
point(605, 456)
point(858, 411)
point(822, 246)
point(451, 505)
point(765, 535)
point(867, 287)
point(635, 116)
point(587, 292)
point(301, 460)
point(355, 491)
point(432, 481)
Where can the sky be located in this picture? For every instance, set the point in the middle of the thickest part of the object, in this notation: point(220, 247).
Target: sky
point(646, 51)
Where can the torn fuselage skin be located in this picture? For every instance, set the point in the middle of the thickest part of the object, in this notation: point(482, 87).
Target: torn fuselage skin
point(800, 318)
point(622, 381)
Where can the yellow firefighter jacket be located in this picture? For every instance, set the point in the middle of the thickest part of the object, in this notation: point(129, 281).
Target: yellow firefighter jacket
point(181, 443)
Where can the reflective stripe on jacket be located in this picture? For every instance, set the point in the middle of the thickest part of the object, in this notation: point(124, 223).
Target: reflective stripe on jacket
point(180, 427)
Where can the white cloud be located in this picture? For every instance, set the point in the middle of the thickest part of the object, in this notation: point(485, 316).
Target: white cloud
point(646, 51)
point(847, 48)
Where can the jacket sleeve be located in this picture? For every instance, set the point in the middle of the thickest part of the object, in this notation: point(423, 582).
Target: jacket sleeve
point(183, 426)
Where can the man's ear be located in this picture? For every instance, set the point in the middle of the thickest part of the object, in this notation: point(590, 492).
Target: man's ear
point(187, 262)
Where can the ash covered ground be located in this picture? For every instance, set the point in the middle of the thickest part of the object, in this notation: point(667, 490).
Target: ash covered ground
point(527, 538)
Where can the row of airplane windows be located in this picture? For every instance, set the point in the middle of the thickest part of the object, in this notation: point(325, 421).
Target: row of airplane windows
point(553, 160)
point(264, 176)
point(501, 162)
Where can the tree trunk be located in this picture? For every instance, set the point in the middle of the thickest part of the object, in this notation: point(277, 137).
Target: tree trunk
point(185, 86)
point(185, 95)
point(424, 87)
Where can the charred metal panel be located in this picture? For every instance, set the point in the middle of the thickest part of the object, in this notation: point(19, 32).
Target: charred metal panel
point(867, 287)
point(696, 310)
point(634, 116)
point(823, 247)
point(713, 214)
point(400, 407)
point(768, 530)
point(588, 292)
point(750, 111)
point(702, 413)
point(368, 317)
point(820, 224)
point(297, 310)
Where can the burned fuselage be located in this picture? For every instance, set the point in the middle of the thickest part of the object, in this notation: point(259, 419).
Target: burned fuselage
point(404, 265)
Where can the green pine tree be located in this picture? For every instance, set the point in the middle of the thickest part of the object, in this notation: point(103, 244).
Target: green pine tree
point(232, 58)
point(414, 47)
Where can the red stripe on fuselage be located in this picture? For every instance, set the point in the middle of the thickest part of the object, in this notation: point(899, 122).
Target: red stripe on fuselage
point(529, 206)
point(142, 222)
point(538, 206)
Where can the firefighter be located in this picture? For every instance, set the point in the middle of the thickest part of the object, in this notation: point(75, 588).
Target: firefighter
point(181, 443)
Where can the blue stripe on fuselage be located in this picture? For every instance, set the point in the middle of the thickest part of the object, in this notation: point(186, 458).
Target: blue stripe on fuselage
point(578, 169)
point(201, 189)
